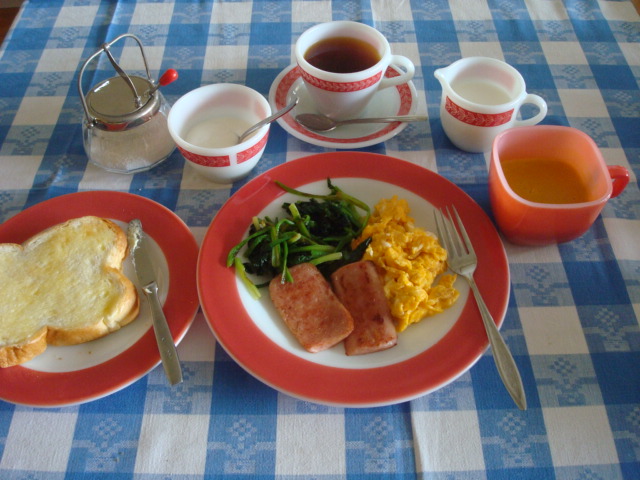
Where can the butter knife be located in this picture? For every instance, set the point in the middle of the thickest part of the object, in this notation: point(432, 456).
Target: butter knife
point(147, 280)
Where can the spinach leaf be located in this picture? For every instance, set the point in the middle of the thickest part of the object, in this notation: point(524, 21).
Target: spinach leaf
point(318, 230)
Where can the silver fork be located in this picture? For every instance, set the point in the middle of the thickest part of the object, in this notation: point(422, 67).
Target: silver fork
point(462, 260)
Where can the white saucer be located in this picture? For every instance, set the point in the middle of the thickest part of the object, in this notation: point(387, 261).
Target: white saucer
point(398, 100)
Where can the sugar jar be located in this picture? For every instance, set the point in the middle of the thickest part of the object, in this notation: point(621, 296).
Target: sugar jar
point(125, 129)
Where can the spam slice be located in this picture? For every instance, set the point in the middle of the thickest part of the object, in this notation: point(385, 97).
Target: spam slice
point(359, 287)
point(310, 309)
point(63, 286)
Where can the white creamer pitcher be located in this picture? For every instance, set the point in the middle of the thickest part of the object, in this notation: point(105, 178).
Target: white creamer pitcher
point(481, 97)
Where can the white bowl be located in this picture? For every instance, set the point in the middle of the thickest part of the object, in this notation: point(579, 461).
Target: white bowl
point(220, 106)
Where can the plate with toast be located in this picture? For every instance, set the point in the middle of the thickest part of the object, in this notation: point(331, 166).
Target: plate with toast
point(70, 260)
point(428, 355)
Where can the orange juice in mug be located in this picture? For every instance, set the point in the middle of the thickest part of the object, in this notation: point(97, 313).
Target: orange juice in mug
point(547, 184)
point(546, 180)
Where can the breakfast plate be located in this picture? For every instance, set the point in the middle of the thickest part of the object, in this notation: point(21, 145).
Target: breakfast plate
point(398, 100)
point(81, 373)
point(429, 354)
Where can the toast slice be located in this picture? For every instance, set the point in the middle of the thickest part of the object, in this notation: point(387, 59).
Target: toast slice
point(63, 286)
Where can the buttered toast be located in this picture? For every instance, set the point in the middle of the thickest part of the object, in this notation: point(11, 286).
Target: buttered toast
point(63, 286)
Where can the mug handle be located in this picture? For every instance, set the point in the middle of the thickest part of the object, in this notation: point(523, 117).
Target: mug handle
point(619, 178)
point(405, 64)
point(538, 102)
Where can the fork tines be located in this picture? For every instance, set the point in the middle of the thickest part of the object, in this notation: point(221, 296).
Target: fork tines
point(449, 227)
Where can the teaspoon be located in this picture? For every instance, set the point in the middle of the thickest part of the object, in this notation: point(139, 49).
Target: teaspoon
point(270, 119)
point(322, 123)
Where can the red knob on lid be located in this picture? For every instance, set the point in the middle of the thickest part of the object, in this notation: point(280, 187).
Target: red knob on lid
point(168, 77)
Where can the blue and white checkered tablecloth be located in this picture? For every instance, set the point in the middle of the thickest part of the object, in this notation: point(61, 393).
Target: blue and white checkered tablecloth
point(572, 321)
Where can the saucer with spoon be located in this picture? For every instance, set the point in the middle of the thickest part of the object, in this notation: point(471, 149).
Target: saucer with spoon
point(321, 123)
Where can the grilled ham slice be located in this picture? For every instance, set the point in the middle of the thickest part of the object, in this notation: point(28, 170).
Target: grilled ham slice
point(310, 309)
point(359, 288)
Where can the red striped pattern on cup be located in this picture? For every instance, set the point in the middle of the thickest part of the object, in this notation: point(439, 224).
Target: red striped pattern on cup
point(225, 160)
point(477, 119)
point(341, 86)
point(207, 161)
point(249, 153)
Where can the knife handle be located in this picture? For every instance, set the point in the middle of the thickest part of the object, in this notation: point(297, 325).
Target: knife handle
point(166, 346)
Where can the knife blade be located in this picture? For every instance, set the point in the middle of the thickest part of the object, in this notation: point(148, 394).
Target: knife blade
point(147, 280)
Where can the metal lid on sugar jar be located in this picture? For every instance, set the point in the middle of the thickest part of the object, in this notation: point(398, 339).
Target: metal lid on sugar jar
point(118, 104)
point(124, 101)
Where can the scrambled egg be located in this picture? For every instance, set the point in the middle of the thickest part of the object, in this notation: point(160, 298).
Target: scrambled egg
point(411, 261)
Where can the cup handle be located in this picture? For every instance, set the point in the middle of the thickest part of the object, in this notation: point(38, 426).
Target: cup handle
point(538, 102)
point(619, 178)
point(405, 64)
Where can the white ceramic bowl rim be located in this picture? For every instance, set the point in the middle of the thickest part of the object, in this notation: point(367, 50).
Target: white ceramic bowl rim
point(219, 151)
point(490, 62)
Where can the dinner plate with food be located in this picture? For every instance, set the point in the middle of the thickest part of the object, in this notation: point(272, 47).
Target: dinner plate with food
point(301, 305)
point(76, 325)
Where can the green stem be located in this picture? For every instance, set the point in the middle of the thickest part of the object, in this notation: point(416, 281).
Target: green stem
point(242, 273)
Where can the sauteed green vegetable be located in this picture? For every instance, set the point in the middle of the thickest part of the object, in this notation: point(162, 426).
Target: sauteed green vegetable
point(318, 231)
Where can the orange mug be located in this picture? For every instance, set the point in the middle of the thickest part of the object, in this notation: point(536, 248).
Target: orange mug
point(530, 221)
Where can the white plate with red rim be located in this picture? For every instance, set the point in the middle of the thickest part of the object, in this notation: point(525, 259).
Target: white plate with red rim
point(429, 354)
point(80, 373)
point(398, 100)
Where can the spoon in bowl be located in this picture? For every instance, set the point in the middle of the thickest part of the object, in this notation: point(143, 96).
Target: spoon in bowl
point(322, 123)
point(270, 119)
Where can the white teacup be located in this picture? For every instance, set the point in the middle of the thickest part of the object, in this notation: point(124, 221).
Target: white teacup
point(207, 122)
point(481, 97)
point(342, 95)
